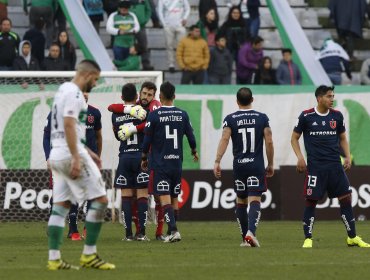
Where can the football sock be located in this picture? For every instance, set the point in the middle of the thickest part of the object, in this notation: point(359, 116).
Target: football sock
point(72, 218)
point(346, 213)
point(55, 230)
point(160, 219)
point(127, 214)
point(242, 218)
point(142, 207)
point(176, 213)
point(254, 216)
point(94, 220)
point(135, 215)
point(169, 217)
point(309, 217)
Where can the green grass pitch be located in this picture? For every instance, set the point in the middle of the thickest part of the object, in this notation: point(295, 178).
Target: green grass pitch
point(209, 250)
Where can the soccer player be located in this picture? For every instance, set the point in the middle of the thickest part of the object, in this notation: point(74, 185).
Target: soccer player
point(164, 131)
point(324, 134)
point(129, 176)
point(75, 169)
point(94, 142)
point(248, 129)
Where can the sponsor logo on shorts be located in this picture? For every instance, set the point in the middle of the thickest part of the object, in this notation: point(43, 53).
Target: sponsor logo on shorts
point(177, 189)
point(253, 182)
point(163, 186)
point(240, 186)
point(245, 160)
point(121, 180)
point(142, 178)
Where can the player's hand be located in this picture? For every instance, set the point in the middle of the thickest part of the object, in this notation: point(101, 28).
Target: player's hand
point(347, 164)
point(269, 171)
point(136, 111)
point(96, 159)
point(75, 167)
point(195, 157)
point(125, 131)
point(217, 170)
point(144, 164)
point(301, 165)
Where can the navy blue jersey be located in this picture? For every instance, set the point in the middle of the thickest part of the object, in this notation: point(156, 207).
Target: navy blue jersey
point(132, 147)
point(93, 123)
point(247, 134)
point(164, 132)
point(321, 137)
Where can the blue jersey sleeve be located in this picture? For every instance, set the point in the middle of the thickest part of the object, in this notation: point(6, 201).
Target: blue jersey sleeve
point(341, 125)
point(189, 132)
point(46, 138)
point(148, 132)
point(266, 121)
point(115, 127)
point(98, 125)
point(299, 126)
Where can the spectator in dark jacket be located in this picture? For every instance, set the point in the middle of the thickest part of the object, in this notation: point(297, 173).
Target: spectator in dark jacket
point(288, 72)
point(266, 75)
point(67, 50)
point(208, 25)
point(205, 5)
point(220, 64)
point(249, 58)
point(251, 15)
point(9, 43)
point(37, 38)
point(54, 62)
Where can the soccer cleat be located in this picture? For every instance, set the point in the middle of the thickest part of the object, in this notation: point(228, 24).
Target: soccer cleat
point(76, 236)
point(128, 238)
point(60, 264)
point(357, 241)
point(160, 237)
point(251, 239)
point(307, 243)
point(142, 237)
point(173, 237)
point(245, 244)
point(93, 261)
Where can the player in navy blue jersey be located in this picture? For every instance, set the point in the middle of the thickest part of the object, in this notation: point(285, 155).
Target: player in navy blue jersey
point(248, 129)
point(324, 135)
point(93, 140)
point(164, 132)
point(130, 178)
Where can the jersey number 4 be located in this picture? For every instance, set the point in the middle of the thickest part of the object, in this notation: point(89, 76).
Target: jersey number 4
point(173, 136)
point(244, 132)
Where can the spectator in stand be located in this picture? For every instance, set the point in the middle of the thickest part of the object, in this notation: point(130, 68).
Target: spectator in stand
point(251, 16)
point(234, 31)
point(288, 72)
point(9, 43)
point(365, 72)
point(60, 18)
point(208, 25)
point(173, 16)
point(37, 39)
point(249, 59)
point(42, 9)
point(3, 10)
point(67, 50)
point(110, 6)
point(349, 18)
point(205, 5)
point(132, 62)
point(154, 16)
point(220, 64)
point(54, 62)
point(143, 11)
point(193, 57)
point(334, 60)
point(266, 75)
point(95, 11)
point(123, 25)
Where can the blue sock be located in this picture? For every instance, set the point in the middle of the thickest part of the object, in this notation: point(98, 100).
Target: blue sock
point(169, 217)
point(72, 218)
point(254, 216)
point(309, 218)
point(176, 214)
point(346, 213)
point(142, 209)
point(242, 218)
point(127, 214)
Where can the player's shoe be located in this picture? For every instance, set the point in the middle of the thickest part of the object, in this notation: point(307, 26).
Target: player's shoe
point(245, 244)
point(160, 237)
point(357, 241)
point(173, 237)
point(128, 238)
point(60, 264)
point(307, 243)
point(93, 261)
point(142, 237)
point(251, 239)
point(76, 236)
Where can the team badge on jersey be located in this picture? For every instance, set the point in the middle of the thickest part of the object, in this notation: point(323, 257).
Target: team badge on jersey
point(333, 124)
point(90, 119)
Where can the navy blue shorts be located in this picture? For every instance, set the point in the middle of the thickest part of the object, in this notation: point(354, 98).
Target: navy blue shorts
point(166, 182)
point(334, 182)
point(129, 174)
point(248, 182)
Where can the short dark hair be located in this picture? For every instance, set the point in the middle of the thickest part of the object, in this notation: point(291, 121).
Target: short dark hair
point(8, 19)
point(149, 85)
point(129, 92)
point(256, 40)
point(194, 26)
point(285, 50)
point(87, 65)
point(219, 36)
point(244, 96)
point(168, 90)
point(55, 44)
point(322, 90)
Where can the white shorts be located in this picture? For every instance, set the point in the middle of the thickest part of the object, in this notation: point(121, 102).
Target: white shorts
point(87, 186)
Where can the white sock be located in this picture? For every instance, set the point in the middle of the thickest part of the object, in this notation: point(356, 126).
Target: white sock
point(54, 255)
point(89, 249)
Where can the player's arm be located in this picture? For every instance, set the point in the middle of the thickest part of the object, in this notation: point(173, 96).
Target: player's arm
point(71, 138)
point(301, 163)
point(95, 157)
point(134, 110)
point(99, 141)
point(345, 147)
point(189, 132)
point(269, 146)
point(148, 137)
point(221, 149)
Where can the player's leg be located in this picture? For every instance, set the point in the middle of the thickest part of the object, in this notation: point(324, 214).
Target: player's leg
point(73, 233)
point(134, 212)
point(160, 219)
point(127, 213)
point(254, 216)
point(308, 221)
point(242, 216)
point(142, 206)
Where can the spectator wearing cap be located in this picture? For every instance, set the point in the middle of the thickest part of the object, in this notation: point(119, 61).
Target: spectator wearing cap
point(288, 72)
point(123, 25)
point(9, 43)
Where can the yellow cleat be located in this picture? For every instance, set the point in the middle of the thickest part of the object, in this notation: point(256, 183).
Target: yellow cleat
point(357, 241)
point(307, 243)
point(60, 264)
point(93, 261)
